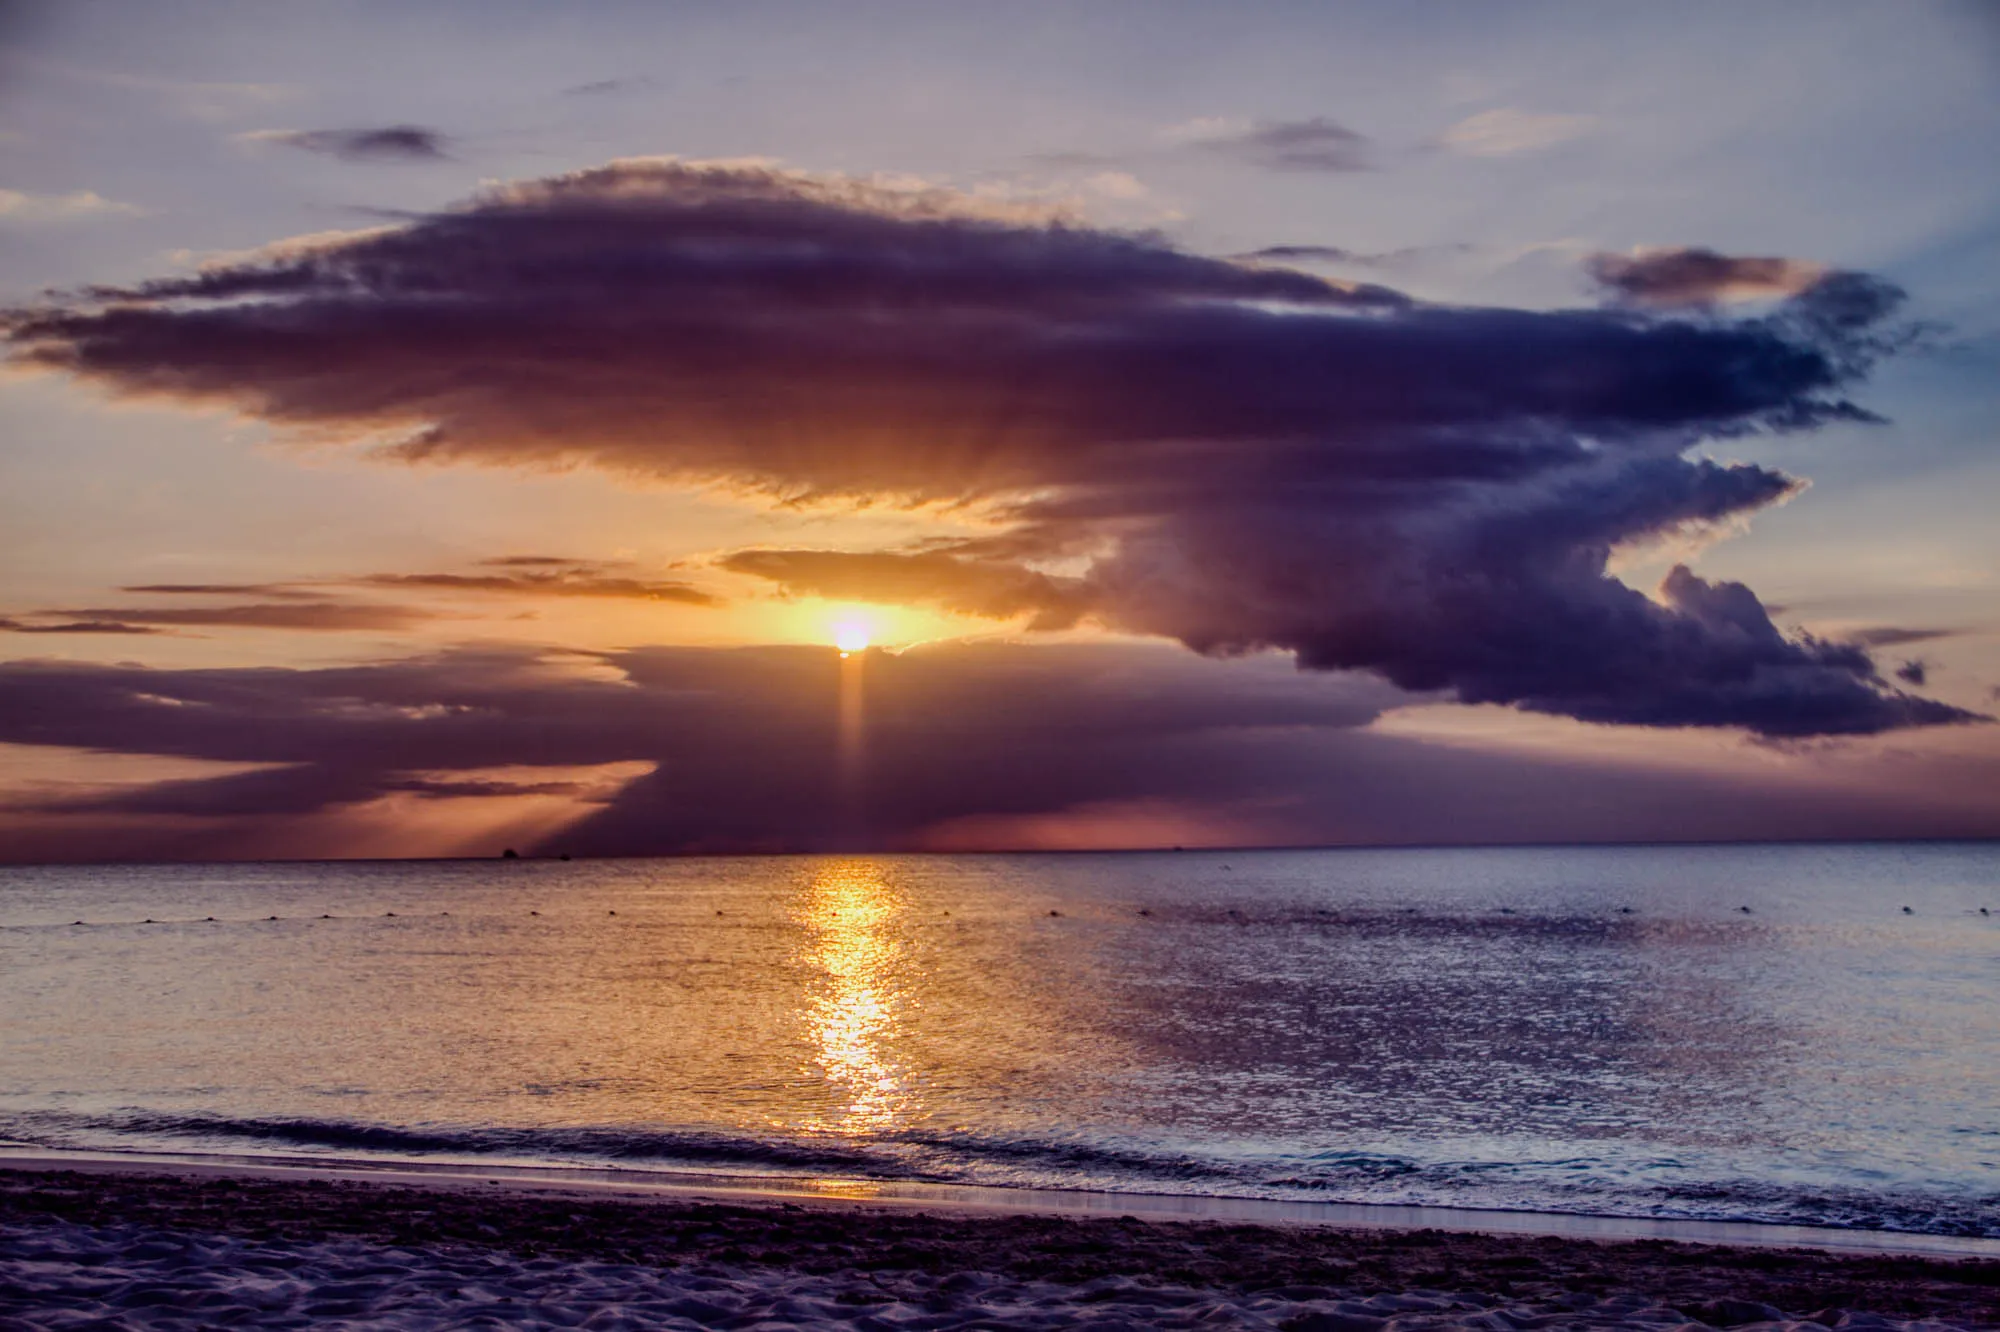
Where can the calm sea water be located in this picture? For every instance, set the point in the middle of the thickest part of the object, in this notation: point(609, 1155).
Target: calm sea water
point(1583, 1030)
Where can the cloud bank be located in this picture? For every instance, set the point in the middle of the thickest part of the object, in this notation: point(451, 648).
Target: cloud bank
point(689, 749)
point(1235, 456)
point(746, 742)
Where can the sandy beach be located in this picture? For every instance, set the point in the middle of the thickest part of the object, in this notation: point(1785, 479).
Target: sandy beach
point(128, 1249)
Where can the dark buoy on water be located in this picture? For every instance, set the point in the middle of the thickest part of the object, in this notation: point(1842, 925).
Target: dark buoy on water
point(510, 854)
point(563, 856)
point(1908, 912)
point(1745, 910)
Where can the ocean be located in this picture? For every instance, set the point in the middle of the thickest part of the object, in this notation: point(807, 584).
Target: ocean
point(1797, 1034)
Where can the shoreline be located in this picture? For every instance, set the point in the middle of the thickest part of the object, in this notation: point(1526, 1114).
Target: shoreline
point(150, 1244)
point(639, 1184)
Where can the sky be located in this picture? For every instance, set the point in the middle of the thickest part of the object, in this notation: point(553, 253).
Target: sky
point(432, 428)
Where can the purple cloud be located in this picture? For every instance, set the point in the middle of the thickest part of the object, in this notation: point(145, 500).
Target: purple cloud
point(960, 745)
point(1242, 457)
point(1692, 276)
point(388, 143)
point(1317, 144)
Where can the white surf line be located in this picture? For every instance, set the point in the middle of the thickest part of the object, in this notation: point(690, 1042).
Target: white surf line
point(626, 1183)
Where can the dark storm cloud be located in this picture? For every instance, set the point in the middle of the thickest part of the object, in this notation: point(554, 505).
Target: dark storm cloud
point(961, 745)
point(995, 589)
point(1675, 277)
point(389, 143)
point(1244, 456)
point(1296, 145)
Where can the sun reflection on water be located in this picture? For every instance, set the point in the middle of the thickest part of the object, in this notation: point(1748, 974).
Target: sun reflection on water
point(857, 1003)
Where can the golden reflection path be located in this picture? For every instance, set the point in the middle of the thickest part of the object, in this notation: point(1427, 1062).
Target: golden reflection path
point(858, 994)
point(851, 803)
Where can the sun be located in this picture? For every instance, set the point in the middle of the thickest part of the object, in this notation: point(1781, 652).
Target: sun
point(851, 635)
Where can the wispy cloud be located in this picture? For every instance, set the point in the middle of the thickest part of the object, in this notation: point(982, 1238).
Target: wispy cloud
point(11, 625)
point(543, 576)
point(1505, 131)
point(389, 143)
point(1679, 275)
point(1896, 636)
point(287, 591)
point(18, 206)
point(197, 99)
point(314, 616)
point(516, 575)
point(1335, 254)
point(1317, 144)
point(605, 87)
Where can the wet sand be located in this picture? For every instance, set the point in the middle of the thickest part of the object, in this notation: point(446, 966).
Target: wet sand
point(116, 1248)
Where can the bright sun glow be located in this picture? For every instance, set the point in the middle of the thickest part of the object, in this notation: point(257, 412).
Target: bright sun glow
point(850, 635)
point(855, 626)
